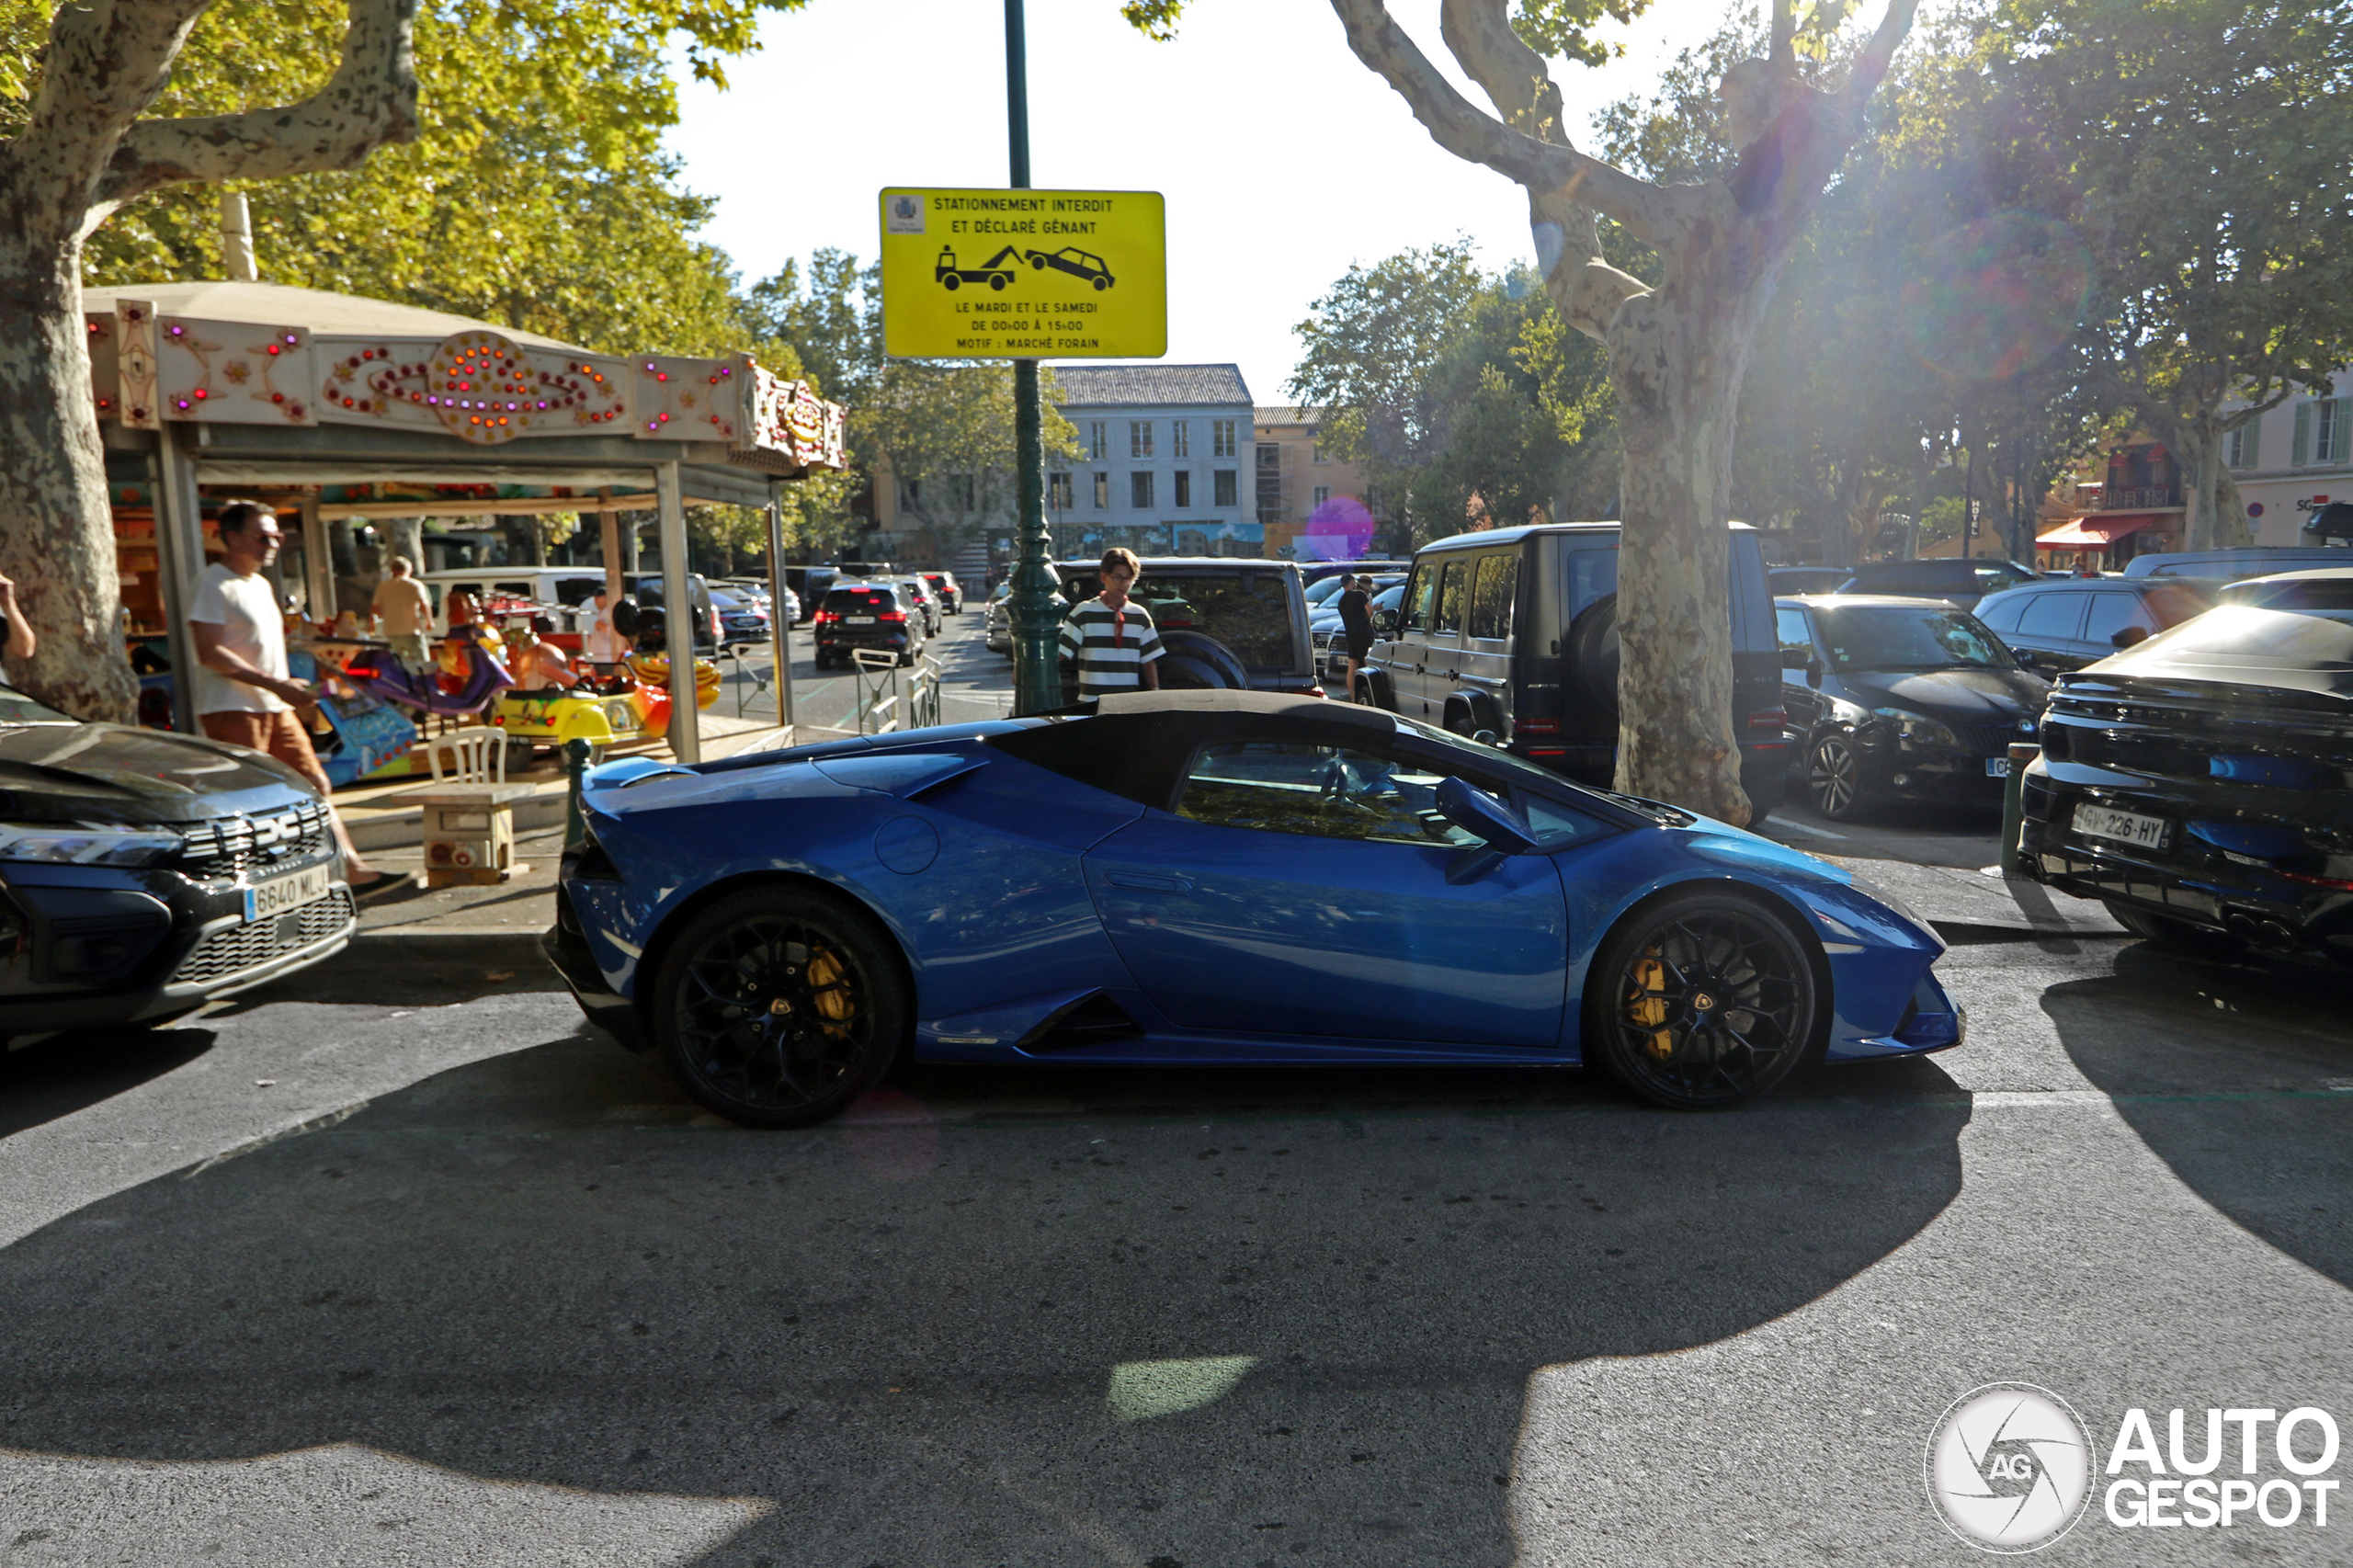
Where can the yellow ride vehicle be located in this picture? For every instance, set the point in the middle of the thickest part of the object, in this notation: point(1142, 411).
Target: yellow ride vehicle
point(640, 711)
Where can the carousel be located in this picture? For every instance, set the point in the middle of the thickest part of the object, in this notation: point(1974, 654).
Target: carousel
point(336, 409)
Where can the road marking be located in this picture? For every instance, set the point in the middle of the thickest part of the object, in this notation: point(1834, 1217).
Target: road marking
point(1808, 828)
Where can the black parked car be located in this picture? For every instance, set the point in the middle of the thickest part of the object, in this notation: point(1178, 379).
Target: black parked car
point(1957, 582)
point(2065, 623)
point(2196, 783)
point(143, 874)
point(868, 615)
point(1896, 700)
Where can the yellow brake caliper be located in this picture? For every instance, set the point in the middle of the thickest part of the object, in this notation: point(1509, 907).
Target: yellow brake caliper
point(833, 999)
point(1647, 1007)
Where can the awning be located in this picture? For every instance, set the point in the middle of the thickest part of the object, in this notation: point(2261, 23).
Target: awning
point(2080, 532)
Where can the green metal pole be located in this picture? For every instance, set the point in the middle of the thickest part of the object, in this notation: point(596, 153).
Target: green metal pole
point(1035, 609)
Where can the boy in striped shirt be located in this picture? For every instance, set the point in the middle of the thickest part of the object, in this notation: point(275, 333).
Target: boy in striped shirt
point(1110, 639)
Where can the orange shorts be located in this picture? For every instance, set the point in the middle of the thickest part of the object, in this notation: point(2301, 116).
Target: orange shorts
point(280, 735)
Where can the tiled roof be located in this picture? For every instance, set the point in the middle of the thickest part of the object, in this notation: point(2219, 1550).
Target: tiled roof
point(1113, 386)
point(1266, 416)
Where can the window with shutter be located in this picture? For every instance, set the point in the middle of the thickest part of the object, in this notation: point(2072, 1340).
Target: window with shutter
point(2340, 447)
point(2300, 451)
point(2251, 443)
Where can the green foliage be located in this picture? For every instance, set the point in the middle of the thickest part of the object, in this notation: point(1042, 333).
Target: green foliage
point(1563, 28)
point(1463, 398)
point(538, 195)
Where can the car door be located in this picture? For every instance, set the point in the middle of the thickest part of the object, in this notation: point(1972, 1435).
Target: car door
point(1442, 664)
point(1486, 652)
point(2051, 628)
point(1407, 652)
point(2115, 612)
point(1302, 888)
point(1800, 698)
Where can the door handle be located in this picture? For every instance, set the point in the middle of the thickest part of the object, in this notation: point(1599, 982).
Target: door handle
point(1147, 881)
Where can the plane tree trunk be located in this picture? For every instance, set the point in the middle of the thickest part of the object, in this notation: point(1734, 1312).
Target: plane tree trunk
point(84, 151)
point(1678, 351)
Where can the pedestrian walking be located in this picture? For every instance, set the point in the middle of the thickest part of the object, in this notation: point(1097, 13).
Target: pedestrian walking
point(1356, 624)
point(1108, 642)
point(243, 695)
point(404, 616)
point(15, 632)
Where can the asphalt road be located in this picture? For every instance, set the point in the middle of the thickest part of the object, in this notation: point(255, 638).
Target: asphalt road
point(493, 1291)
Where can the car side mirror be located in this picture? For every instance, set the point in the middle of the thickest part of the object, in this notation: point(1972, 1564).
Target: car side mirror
point(1483, 817)
point(2128, 637)
point(1384, 620)
point(1813, 672)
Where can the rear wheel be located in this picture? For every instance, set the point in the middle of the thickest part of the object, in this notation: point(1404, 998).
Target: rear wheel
point(2180, 935)
point(778, 1006)
point(1701, 1001)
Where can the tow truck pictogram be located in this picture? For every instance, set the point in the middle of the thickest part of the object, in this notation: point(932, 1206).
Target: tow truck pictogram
point(1077, 263)
point(995, 272)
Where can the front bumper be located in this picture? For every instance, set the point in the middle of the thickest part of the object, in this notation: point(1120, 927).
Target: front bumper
point(185, 942)
point(566, 946)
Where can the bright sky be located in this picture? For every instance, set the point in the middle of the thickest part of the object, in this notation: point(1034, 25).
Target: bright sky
point(1283, 159)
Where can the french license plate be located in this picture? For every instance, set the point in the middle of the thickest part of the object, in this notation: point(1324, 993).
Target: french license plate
point(2125, 827)
point(1997, 767)
point(293, 890)
point(858, 620)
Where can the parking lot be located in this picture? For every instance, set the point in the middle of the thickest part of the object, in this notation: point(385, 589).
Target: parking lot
point(395, 1262)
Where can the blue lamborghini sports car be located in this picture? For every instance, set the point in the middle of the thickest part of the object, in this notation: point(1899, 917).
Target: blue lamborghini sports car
point(1199, 878)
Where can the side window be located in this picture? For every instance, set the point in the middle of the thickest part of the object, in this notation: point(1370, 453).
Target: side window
point(1592, 574)
point(1491, 594)
point(1456, 588)
point(2112, 613)
point(2052, 615)
point(1322, 791)
point(1797, 643)
point(1555, 825)
point(2004, 617)
point(1421, 597)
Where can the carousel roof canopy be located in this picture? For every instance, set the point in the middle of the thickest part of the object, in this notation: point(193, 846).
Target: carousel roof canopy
point(265, 305)
point(300, 386)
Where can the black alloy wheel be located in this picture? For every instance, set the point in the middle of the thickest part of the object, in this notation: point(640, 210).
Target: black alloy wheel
point(778, 1006)
point(1702, 1001)
point(1834, 778)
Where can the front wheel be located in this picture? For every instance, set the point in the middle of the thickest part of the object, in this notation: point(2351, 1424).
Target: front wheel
point(1834, 778)
point(778, 1006)
point(1702, 1001)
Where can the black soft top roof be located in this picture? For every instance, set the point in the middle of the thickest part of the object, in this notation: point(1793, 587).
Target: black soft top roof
point(1137, 744)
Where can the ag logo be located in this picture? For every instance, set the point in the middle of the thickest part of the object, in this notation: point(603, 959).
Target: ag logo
point(2009, 1468)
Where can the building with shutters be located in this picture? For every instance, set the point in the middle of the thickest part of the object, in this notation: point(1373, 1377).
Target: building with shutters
point(1167, 464)
point(2291, 462)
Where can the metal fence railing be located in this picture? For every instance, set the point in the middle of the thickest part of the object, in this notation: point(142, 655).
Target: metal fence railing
point(891, 697)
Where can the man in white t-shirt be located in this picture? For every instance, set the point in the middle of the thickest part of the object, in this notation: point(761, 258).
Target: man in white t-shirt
point(242, 693)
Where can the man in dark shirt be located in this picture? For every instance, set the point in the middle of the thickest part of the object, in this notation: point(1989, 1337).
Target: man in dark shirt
point(1356, 624)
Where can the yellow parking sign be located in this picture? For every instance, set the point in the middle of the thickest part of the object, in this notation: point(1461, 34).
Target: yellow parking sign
point(1024, 274)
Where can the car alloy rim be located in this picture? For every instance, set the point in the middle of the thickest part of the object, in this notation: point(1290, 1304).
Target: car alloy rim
point(1711, 1004)
point(774, 1011)
point(1833, 777)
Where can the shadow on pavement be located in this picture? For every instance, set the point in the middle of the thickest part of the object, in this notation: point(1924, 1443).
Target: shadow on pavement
point(70, 1072)
point(1027, 1317)
point(2240, 1103)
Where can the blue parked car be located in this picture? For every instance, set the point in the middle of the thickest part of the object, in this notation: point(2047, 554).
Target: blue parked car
point(1195, 878)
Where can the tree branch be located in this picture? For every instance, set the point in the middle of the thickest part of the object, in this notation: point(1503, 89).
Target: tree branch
point(1459, 128)
point(1870, 67)
point(104, 65)
point(370, 100)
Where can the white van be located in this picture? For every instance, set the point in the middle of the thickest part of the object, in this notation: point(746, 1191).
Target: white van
point(567, 590)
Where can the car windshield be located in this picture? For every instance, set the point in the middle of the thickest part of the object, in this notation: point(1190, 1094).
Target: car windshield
point(1247, 611)
point(15, 708)
point(2306, 595)
point(1897, 638)
point(1317, 593)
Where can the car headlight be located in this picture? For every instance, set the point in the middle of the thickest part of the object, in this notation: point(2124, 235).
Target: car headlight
point(1917, 732)
point(69, 845)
